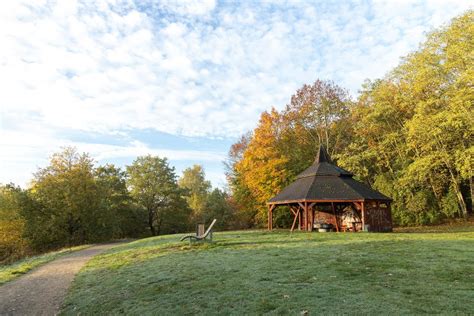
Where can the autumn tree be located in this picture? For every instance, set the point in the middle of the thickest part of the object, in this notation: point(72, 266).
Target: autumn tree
point(263, 169)
point(241, 198)
point(284, 144)
point(12, 243)
point(316, 114)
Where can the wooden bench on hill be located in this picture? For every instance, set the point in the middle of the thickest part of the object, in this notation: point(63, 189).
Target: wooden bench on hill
point(198, 237)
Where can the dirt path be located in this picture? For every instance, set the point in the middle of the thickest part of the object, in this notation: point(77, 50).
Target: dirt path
point(42, 290)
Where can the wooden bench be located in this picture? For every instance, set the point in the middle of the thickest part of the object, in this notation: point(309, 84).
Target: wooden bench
point(203, 236)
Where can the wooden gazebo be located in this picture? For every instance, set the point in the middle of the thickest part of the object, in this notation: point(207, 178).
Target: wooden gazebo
point(327, 194)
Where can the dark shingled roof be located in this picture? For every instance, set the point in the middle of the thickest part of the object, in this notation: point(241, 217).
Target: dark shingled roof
point(324, 181)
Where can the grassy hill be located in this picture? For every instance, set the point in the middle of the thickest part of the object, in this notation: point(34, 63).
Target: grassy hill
point(256, 272)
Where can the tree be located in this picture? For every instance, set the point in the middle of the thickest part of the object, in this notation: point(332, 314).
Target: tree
point(67, 208)
point(413, 129)
point(442, 128)
point(218, 207)
point(284, 144)
point(153, 186)
point(195, 183)
point(315, 115)
point(12, 243)
point(263, 169)
point(241, 198)
point(125, 218)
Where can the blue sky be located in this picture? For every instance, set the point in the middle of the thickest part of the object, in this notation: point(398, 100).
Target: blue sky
point(181, 79)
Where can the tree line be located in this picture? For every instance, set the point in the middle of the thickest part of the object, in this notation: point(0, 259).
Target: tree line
point(409, 135)
point(72, 201)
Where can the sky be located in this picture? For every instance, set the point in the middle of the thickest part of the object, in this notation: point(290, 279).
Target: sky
point(181, 79)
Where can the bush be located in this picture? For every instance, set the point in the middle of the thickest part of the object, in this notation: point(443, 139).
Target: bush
point(12, 244)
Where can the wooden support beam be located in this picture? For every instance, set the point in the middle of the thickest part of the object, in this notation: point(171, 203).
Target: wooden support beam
point(357, 205)
point(294, 220)
point(335, 216)
point(311, 217)
point(308, 209)
point(308, 218)
point(305, 218)
point(314, 214)
point(363, 215)
point(389, 210)
point(382, 217)
point(300, 220)
point(292, 210)
point(270, 216)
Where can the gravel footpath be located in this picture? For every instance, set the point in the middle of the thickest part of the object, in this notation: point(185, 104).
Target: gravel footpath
point(42, 290)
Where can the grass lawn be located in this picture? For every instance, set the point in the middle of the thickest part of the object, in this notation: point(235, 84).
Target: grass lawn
point(256, 272)
point(11, 271)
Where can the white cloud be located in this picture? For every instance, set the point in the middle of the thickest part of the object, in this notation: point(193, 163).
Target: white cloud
point(103, 69)
point(189, 7)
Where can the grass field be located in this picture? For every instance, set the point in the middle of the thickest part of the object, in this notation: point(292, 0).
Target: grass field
point(14, 270)
point(256, 272)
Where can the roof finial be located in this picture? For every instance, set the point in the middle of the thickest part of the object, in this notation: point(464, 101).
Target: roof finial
point(322, 156)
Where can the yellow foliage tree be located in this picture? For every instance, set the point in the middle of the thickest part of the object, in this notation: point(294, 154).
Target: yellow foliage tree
point(262, 167)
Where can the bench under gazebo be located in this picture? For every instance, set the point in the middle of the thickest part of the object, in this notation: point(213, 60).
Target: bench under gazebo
point(325, 195)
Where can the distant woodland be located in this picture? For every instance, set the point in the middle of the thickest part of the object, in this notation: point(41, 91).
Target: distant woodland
point(72, 201)
point(409, 135)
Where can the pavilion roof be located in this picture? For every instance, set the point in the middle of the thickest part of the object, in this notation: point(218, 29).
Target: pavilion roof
point(324, 181)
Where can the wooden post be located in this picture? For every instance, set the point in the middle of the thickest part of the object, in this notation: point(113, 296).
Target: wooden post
point(200, 230)
point(299, 218)
point(270, 216)
point(389, 210)
point(335, 217)
point(363, 215)
point(379, 217)
point(304, 225)
point(307, 216)
point(311, 217)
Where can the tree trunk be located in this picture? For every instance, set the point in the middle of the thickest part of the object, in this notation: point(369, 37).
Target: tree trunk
point(462, 203)
point(70, 229)
point(160, 221)
point(472, 193)
point(457, 188)
point(435, 192)
point(455, 180)
point(150, 223)
point(327, 136)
